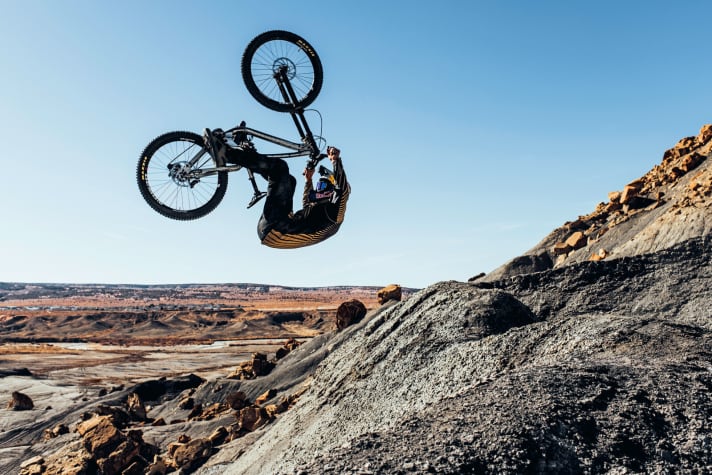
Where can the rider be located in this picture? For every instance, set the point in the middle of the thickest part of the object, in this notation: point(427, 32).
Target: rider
point(323, 207)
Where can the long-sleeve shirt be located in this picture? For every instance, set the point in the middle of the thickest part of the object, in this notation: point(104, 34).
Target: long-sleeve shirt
point(315, 222)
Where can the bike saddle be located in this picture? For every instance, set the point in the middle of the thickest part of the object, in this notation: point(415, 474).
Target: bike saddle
point(240, 137)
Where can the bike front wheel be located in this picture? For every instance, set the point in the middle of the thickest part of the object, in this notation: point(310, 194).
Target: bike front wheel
point(175, 178)
point(277, 50)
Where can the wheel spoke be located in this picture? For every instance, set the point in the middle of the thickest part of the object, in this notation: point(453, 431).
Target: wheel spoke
point(169, 182)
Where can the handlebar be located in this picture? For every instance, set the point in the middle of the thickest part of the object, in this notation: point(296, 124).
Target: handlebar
point(311, 164)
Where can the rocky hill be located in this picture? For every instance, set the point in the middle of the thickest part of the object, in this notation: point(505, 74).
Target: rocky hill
point(591, 353)
point(666, 206)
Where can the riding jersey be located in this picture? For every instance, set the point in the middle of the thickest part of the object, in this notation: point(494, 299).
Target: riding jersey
point(315, 222)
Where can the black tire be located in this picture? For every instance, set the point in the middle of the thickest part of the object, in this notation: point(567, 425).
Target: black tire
point(165, 181)
point(271, 50)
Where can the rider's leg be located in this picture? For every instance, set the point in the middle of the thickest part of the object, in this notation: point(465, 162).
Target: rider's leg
point(278, 203)
point(266, 166)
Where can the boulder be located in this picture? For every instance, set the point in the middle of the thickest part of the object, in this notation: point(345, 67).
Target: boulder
point(350, 312)
point(252, 418)
point(599, 256)
point(705, 134)
point(33, 466)
point(191, 455)
point(561, 248)
point(260, 365)
point(266, 396)
point(628, 193)
point(59, 429)
point(577, 240)
point(390, 292)
point(100, 436)
point(186, 403)
point(288, 346)
point(20, 402)
point(691, 161)
point(614, 196)
point(218, 435)
point(136, 408)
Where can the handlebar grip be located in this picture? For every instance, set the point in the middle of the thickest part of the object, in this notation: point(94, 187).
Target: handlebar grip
point(311, 164)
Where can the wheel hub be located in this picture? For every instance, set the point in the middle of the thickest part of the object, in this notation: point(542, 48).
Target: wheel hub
point(180, 174)
point(286, 65)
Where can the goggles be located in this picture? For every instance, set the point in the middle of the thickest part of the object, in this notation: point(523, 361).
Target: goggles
point(322, 186)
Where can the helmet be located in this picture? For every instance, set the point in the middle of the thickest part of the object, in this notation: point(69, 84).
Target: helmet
point(324, 185)
point(324, 190)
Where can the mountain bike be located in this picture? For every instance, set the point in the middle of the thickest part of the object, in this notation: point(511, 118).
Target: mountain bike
point(177, 175)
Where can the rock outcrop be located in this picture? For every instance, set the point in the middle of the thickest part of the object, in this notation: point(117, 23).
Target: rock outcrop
point(593, 367)
point(666, 206)
point(349, 312)
point(20, 402)
point(389, 292)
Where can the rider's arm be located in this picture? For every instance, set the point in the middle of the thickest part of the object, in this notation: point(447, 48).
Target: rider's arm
point(339, 174)
point(307, 189)
point(308, 185)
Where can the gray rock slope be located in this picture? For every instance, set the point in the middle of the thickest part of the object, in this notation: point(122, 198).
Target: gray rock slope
point(596, 366)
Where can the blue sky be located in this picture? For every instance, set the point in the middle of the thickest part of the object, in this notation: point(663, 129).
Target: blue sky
point(469, 129)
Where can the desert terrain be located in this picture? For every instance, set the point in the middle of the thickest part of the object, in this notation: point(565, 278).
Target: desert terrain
point(66, 344)
point(589, 353)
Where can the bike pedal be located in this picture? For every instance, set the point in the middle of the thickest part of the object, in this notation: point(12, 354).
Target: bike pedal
point(256, 198)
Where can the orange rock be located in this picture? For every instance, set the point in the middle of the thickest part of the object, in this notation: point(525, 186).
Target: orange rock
point(273, 409)
point(218, 435)
point(390, 292)
point(561, 248)
point(191, 455)
point(691, 161)
point(629, 192)
point(266, 396)
point(705, 134)
point(577, 240)
point(252, 418)
point(614, 196)
point(598, 256)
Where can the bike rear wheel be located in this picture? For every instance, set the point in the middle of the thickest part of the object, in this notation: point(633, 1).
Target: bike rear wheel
point(269, 52)
point(171, 185)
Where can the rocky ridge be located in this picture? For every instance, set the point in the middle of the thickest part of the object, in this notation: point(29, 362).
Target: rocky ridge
point(666, 206)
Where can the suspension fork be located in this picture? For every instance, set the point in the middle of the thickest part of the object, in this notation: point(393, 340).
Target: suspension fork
point(285, 87)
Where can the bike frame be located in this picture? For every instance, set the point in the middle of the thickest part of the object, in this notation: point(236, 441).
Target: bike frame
point(308, 147)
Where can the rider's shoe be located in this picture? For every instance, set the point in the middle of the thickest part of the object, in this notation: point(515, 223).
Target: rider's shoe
point(215, 143)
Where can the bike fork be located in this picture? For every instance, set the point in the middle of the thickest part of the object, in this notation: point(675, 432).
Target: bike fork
point(285, 87)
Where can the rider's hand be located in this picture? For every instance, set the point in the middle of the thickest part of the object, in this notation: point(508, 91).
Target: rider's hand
point(308, 173)
point(333, 153)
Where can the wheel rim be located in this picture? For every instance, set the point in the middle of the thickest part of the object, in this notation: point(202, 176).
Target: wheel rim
point(277, 55)
point(174, 183)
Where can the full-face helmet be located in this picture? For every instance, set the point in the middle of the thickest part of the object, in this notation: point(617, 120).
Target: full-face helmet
point(324, 190)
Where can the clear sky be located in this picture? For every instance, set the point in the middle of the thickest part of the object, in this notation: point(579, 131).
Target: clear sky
point(469, 129)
